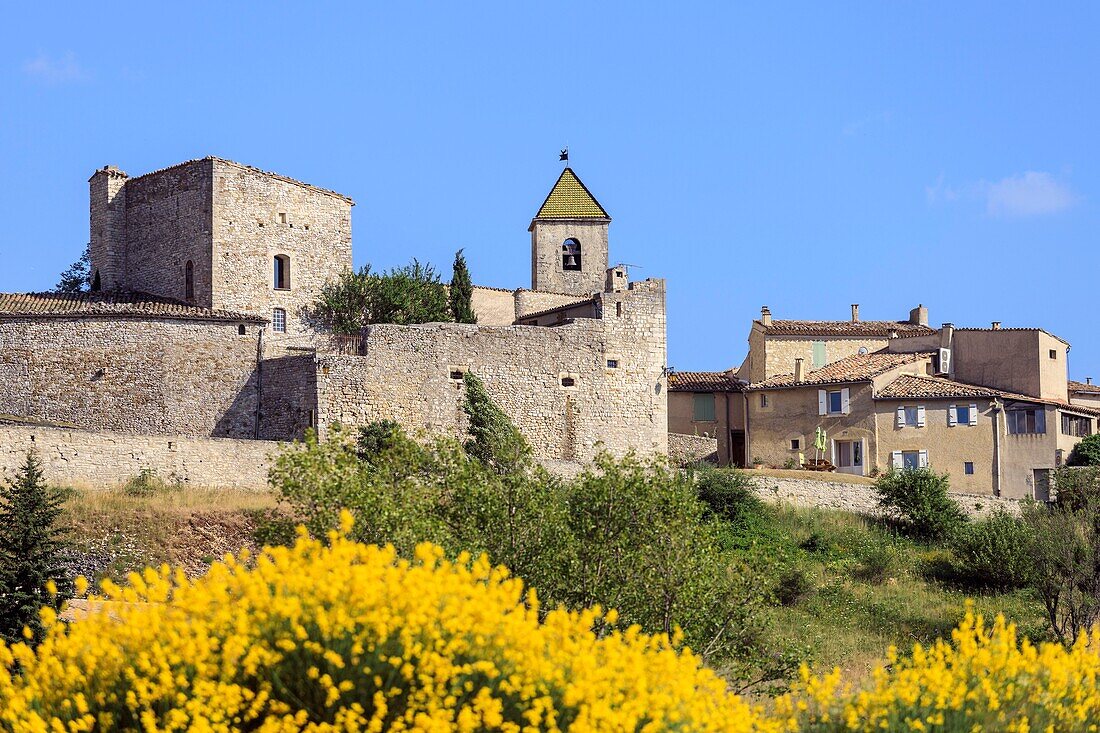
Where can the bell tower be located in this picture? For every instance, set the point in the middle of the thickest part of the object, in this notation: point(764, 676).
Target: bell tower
point(569, 240)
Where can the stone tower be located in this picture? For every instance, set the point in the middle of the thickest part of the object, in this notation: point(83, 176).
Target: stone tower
point(569, 240)
point(107, 220)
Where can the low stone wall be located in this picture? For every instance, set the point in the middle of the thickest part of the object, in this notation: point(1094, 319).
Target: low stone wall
point(684, 449)
point(100, 460)
point(858, 498)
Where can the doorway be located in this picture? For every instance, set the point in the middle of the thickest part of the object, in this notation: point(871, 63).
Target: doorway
point(737, 448)
point(849, 456)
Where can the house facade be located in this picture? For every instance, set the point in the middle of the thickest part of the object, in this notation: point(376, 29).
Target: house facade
point(710, 404)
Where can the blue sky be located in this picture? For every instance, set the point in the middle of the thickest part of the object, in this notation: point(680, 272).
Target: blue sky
point(806, 158)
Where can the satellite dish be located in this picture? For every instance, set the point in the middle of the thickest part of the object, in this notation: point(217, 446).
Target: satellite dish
point(862, 350)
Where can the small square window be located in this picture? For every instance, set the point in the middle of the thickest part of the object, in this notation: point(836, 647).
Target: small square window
point(568, 382)
point(796, 444)
point(968, 468)
point(278, 320)
point(1053, 353)
point(612, 363)
point(241, 330)
point(763, 399)
point(962, 414)
point(282, 217)
point(457, 375)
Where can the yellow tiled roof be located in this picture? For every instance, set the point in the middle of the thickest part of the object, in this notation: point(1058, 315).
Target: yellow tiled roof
point(569, 199)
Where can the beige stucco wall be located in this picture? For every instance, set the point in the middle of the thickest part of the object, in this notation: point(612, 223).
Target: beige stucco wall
point(1023, 453)
point(949, 447)
point(493, 306)
point(1086, 399)
point(1053, 373)
point(1014, 361)
point(729, 413)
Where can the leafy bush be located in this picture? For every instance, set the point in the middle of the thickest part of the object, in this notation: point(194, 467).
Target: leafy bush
point(32, 547)
point(1066, 567)
point(1086, 453)
point(1078, 487)
point(877, 561)
point(148, 482)
point(918, 499)
point(995, 552)
point(730, 495)
point(403, 295)
point(792, 586)
point(349, 637)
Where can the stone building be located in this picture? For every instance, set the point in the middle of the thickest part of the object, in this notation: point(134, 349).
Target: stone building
point(712, 405)
point(194, 327)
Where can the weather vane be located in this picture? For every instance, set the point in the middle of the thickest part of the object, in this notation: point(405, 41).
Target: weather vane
point(563, 156)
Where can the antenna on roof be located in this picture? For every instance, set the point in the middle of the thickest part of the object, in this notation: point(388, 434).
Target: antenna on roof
point(627, 264)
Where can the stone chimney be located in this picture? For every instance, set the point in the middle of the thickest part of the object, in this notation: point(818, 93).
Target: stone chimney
point(1088, 380)
point(799, 370)
point(947, 333)
point(107, 224)
point(855, 312)
point(996, 325)
point(616, 280)
point(919, 316)
point(765, 316)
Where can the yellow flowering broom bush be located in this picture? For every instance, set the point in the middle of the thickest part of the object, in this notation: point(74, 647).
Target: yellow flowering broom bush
point(983, 679)
point(341, 636)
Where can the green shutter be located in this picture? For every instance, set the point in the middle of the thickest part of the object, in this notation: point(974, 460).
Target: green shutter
point(704, 408)
point(819, 354)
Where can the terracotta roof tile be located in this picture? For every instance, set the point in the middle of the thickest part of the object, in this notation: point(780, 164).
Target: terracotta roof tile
point(1083, 387)
point(858, 368)
point(570, 199)
point(113, 304)
point(908, 386)
point(845, 328)
point(704, 382)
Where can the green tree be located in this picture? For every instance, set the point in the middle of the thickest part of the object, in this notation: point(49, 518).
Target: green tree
point(494, 439)
point(78, 278)
point(403, 295)
point(462, 292)
point(1086, 453)
point(31, 546)
point(918, 498)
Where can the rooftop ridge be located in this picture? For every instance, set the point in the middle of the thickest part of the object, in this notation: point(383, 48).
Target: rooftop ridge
point(114, 304)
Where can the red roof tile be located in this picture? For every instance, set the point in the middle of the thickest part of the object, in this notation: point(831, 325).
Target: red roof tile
point(110, 305)
point(912, 387)
point(704, 382)
point(1083, 387)
point(858, 368)
point(845, 328)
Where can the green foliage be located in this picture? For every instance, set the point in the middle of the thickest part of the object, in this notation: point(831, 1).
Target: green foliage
point(729, 494)
point(31, 547)
point(793, 585)
point(78, 277)
point(1086, 453)
point(148, 482)
point(1077, 487)
point(1066, 566)
point(403, 295)
point(877, 561)
point(918, 499)
point(494, 438)
point(462, 292)
point(995, 552)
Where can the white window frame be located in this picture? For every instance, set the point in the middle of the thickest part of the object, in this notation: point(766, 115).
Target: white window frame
point(824, 401)
point(278, 317)
point(919, 413)
point(897, 458)
point(953, 415)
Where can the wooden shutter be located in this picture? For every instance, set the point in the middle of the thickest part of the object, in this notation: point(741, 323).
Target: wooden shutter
point(920, 416)
point(952, 416)
point(923, 459)
point(845, 404)
point(901, 416)
point(896, 459)
point(822, 399)
point(973, 414)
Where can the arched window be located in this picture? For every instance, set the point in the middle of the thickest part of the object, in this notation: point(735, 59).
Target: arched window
point(189, 281)
point(282, 272)
point(571, 254)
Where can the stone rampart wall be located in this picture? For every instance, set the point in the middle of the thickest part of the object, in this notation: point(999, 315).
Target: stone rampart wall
point(683, 449)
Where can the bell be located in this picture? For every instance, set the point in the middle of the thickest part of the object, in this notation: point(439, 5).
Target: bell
point(570, 261)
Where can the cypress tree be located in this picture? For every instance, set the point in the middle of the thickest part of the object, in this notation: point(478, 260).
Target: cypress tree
point(494, 438)
point(31, 546)
point(462, 292)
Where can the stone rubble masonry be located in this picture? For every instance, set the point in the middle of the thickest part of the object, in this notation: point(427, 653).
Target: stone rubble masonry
point(547, 237)
point(555, 383)
point(229, 221)
point(100, 460)
point(289, 396)
point(136, 375)
point(857, 497)
point(494, 306)
point(684, 450)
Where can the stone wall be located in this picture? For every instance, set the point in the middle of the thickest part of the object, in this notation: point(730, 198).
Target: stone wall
point(92, 460)
point(684, 450)
point(781, 351)
point(555, 383)
point(133, 375)
point(289, 396)
point(258, 215)
point(547, 273)
point(856, 497)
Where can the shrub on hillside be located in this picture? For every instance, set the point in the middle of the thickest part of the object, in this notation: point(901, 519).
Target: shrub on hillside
point(1086, 453)
point(995, 552)
point(1066, 567)
point(1078, 487)
point(729, 494)
point(918, 499)
point(148, 482)
point(349, 637)
point(876, 561)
